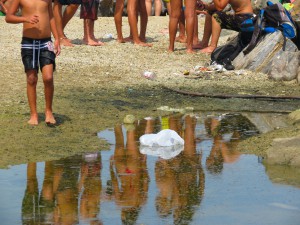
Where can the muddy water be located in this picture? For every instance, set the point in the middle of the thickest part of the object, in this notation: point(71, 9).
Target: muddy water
point(207, 181)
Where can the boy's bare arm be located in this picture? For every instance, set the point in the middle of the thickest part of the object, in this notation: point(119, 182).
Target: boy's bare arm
point(54, 30)
point(12, 18)
point(220, 4)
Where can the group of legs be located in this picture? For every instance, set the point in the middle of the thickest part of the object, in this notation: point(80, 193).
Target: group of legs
point(88, 13)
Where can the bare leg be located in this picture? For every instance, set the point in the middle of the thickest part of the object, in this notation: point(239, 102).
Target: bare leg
point(149, 7)
point(215, 34)
point(118, 20)
point(158, 7)
point(57, 13)
point(206, 33)
point(132, 6)
point(144, 20)
point(89, 38)
point(49, 91)
point(174, 18)
point(190, 20)
point(181, 37)
point(68, 14)
point(195, 36)
point(32, 79)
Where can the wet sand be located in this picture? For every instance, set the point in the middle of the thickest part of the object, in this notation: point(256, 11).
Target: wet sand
point(95, 87)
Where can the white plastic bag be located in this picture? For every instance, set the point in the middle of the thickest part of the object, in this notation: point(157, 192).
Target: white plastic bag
point(163, 138)
point(162, 152)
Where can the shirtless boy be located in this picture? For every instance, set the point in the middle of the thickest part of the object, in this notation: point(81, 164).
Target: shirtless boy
point(224, 20)
point(37, 50)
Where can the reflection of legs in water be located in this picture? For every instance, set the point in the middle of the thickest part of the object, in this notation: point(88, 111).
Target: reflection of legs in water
point(189, 136)
point(30, 204)
point(90, 183)
point(47, 196)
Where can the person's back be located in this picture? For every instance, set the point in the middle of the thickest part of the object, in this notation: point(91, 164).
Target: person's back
point(239, 6)
point(41, 11)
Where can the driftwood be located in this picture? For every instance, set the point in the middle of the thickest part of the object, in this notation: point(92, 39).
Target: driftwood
point(224, 96)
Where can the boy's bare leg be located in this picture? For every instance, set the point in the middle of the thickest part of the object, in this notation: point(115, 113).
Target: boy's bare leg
point(57, 13)
point(190, 11)
point(157, 7)
point(206, 33)
point(181, 24)
point(68, 14)
point(132, 6)
point(215, 34)
point(149, 7)
point(32, 80)
point(144, 20)
point(118, 20)
point(173, 22)
point(89, 38)
point(49, 91)
point(195, 36)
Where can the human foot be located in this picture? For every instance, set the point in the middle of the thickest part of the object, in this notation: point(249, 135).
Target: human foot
point(66, 42)
point(33, 120)
point(208, 49)
point(143, 44)
point(92, 42)
point(49, 118)
point(200, 45)
point(181, 39)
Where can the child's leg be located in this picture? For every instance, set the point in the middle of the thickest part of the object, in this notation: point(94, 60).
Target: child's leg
point(89, 38)
point(118, 19)
point(158, 7)
point(174, 18)
point(149, 7)
point(215, 34)
point(144, 20)
point(132, 6)
point(195, 36)
point(206, 33)
point(181, 36)
point(68, 14)
point(190, 13)
point(47, 71)
point(32, 80)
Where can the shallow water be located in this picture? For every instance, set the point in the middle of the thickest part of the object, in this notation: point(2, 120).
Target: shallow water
point(207, 182)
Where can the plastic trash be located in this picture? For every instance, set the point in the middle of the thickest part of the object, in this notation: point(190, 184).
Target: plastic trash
point(162, 152)
point(164, 138)
point(149, 75)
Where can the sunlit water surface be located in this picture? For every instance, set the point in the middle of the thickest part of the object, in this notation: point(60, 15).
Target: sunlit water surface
point(206, 182)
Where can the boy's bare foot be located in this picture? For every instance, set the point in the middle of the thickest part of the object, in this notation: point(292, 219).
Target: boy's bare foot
point(181, 39)
point(128, 39)
point(190, 51)
point(143, 44)
point(208, 49)
point(200, 45)
point(92, 42)
point(50, 118)
point(121, 40)
point(33, 120)
point(66, 42)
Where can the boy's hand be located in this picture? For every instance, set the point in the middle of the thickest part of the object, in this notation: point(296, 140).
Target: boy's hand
point(56, 47)
point(33, 19)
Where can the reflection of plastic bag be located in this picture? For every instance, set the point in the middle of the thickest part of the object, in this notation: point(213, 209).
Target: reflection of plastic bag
point(163, 152)
point(163, 138)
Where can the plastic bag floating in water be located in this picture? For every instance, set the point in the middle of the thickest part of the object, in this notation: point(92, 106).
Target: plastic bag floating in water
point(163, 138)
point(165, 144)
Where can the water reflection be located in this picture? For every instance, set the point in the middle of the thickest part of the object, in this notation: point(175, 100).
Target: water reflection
point(180, 180)
point(123, 186)
point(129, 175)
